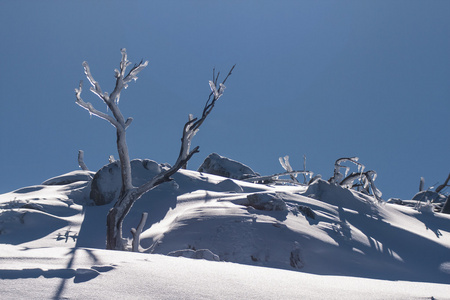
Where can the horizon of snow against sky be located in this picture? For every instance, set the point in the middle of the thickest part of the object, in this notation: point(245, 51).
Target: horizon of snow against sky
point(321, 79)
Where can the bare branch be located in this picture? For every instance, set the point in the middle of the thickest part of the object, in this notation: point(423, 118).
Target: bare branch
point(88, 106)
point(284, 161)
point(96, 89)
point(189, 130)
point(215, 94)
point(81, 160)
point(122, 80)
point(274, 177)
point(137, 233)
point(128, 122)
point(442, 186)
point(132, 75)
point(338, 176)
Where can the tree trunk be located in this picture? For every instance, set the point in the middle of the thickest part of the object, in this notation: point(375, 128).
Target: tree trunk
point(125, 164)
point(114, 220)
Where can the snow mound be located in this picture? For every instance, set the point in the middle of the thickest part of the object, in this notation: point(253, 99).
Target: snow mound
point(431, 196)
point(229, 185)
point(71, 177)
point(222, 166)
point(197, 254)
point(322, 229)
point(265, 201)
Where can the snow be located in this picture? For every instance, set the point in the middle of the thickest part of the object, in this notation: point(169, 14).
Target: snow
point(211, 237)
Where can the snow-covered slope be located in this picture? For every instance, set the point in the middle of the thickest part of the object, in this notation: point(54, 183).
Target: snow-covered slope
point(297, 233)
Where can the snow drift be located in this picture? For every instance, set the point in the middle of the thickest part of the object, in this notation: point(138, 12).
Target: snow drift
point(321, 229)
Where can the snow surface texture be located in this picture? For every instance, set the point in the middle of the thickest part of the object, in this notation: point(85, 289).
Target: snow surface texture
point(320, 241)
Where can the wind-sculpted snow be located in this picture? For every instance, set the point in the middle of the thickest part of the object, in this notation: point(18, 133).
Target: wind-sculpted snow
point(321, 229)
point(71, 177)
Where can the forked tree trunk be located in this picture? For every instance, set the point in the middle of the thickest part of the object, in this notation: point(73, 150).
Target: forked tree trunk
point(114, 221)
point(128, 193)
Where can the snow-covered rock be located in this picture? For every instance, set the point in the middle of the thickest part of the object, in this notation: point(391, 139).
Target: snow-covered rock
point(107, 182)
point(266, 201)
point(196, 254)
point(229, 185)
point(222, 166)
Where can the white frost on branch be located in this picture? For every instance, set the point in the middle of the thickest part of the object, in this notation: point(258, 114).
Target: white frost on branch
point(371, 176)
point(338, 176)
point(366, 181)
point(217, 92)
point(284, 161)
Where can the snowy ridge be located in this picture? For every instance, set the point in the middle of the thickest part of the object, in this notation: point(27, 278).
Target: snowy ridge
point(320, 229)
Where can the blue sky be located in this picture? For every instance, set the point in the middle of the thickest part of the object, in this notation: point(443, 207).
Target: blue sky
point(325, 79)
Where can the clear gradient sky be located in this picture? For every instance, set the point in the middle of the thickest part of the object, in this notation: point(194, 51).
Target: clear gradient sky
point(325, 79)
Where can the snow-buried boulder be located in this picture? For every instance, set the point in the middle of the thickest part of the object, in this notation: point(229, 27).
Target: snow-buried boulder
point(341, 197)
point(265, 201)
point(107, 182)
point(229, 185)
point(222, 166)
point(196, 254)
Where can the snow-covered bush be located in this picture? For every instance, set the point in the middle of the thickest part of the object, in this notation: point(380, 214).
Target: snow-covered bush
point(338, 176)
point(437, 199)
point(364, 180)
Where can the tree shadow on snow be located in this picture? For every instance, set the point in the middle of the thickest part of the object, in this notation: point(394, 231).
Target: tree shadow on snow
point(80, 274)
point(392, 253)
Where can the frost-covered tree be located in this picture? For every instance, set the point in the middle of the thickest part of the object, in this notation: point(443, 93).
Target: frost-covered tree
point(129, 193)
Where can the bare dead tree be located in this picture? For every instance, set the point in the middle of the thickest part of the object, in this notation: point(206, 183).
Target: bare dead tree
point(129, 194)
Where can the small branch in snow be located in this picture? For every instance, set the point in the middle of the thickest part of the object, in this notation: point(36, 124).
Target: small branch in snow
point(284, 161)
point(137, 233)
point(89, 107)
point(274, 177)
point(442, 186)
point(338, 176)
point(81, 160)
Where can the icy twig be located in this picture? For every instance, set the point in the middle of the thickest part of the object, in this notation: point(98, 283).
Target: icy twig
point(274, 177)
point(442, 186)
point(338, 176)
point(189, 130)
point(89, 107)
point(96, 89)
point(284, 161)
point(366, 180)
point(216, 93)
point(122, 80)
